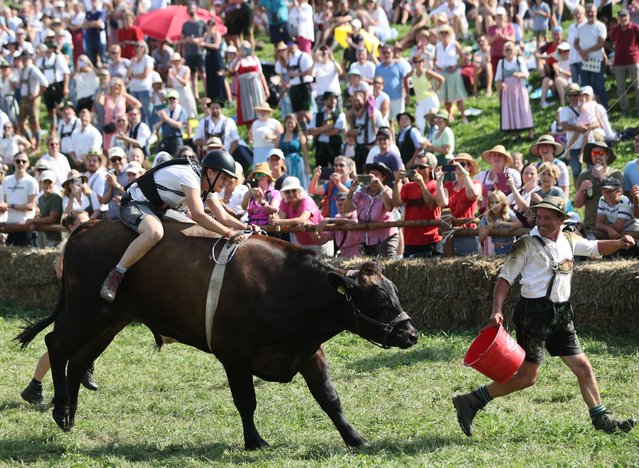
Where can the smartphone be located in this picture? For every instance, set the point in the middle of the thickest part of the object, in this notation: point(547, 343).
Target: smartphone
point(365, 179)
point(410, 173)
point(448, 168)
point(326, 173)
point(253, 183)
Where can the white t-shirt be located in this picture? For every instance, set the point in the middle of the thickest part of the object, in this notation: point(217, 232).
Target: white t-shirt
point(86, 140)
point(327, 78)
point(588, 35)
point(18, 192)
point(85, 202)
point(262, 129)
point(366, 69)
point(305, 26)
point(568, 115)
point(379, 100)
point(176, 178)
point(97, 182)
point(137, 68)
point(60, 166)
point(573, 55)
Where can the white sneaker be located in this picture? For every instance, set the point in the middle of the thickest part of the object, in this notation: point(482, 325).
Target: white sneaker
point(544, 105)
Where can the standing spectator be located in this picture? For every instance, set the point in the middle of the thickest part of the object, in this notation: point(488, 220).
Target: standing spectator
point(161, 56)
point(238, 17)
point(385, 152)
point(393, 74)
point(482, 65)
point(277, 164)
point(589, 42)
point(625, 36)
point(94, 38)
point(56, 71)
point(300, 72)
point(374, 203)
point(363, 122)
point(75, 25)
point(140, 79)
point(129, 35)
point(178, 79)
point(498, 34)
point(540, 12)
point(192, 37)
point(118, 65)
point(218, 125)
point(32, 85)
point(365, 66)
point(277, 19)
point(419, 199)
point(49, 209)
point(600, 157)
point(264, 133)
point(443, 142)
point(448, 58)
point(172, 122)
point(409, 139)
point(58, 161)
point(96, 165)
point(8, 100)
point(301, 16)
point(20, 191)
point(574, 132)
point(139, 133)
point(425, 93)
point(84, 138)
point(292, 143)
point(87, 83)
point(213, 62)
point(326, 128)
point(115, 103)
point(253, 89)
point(116, 179)
point(327, 73)
point(579, 14)
point(631, 170)
point(520, 199)
point(281, 68)
point(348, 243)
point(515, 111)
point(462, 196)
point(382, 100)
point(549, 150)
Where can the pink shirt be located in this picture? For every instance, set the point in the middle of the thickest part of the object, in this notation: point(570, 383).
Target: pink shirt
point(348, 242)
point(372, 209)
point(307, 204)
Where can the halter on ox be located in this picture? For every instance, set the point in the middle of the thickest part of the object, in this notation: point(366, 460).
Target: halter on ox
point(257, 328)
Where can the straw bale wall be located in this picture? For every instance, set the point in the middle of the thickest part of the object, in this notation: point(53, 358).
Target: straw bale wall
point(443, 293)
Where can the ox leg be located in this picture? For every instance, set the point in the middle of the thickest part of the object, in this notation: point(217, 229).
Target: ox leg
point(58, 357)
point(243, 391)
point(315, 372)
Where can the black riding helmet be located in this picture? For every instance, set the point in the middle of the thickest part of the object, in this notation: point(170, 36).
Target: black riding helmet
point(220, 160)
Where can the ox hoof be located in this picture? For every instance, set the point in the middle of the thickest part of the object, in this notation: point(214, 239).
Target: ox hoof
point(358, 442)
point(63, 419)
point(256, 444)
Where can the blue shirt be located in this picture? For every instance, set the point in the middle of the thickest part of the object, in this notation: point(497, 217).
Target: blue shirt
point(393, 75)
point(92, 35)
point(277, 10)
point(631, 175)
point(332, 197)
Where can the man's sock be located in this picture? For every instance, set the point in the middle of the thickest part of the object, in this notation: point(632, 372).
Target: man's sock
point(596, 411)
point(482, 395)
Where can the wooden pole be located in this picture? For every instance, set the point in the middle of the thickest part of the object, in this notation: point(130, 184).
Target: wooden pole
point(7, 228)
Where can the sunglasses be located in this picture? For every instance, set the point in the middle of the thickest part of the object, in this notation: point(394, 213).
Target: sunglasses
point(598, 152)
point(171, 99)
point(116, 159)
point(382, 138)
point(421, 166)
point(463, 163)
point(261, 174)
point(378, 82)
point(417, 61)
point(20, 161)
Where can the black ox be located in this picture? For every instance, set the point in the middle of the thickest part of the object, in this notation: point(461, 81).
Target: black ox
point(278, 304)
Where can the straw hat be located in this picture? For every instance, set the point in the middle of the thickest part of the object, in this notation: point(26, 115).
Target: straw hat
point(264, 107)
point(98, 153)
point(468, 158)
point(444, 28)
point(281, 46)
point(499, 149)
point(443, 115)
point(546, 140)
point(262, 168)
point(75, 174)
point(214, 143)
point(176, 57)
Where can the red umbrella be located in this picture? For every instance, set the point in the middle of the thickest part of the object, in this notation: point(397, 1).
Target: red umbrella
point(166, 23)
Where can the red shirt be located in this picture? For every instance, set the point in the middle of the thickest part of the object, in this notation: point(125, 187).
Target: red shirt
point(497, 47)
point(134, 33)
point(626, 44)
point(415, 208)
point(549, 48)
point(459, 204)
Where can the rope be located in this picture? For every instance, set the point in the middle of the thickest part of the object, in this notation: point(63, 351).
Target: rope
point(230, 246)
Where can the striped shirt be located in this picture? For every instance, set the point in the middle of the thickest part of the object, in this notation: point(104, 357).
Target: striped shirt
point(622, 210)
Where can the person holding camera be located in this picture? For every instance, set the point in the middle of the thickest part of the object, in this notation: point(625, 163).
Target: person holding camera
point(261, 200)
point(78, 196)
point(337, 180)
point(363, 123)
point(374, 203)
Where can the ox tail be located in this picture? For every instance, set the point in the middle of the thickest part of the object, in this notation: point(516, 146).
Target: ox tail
point(31, 329)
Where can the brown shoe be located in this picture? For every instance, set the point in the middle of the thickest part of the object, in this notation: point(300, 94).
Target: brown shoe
point(110, 285)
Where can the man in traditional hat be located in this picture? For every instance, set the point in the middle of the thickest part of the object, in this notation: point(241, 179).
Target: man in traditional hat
point(326, 128)
point(67, 125)
point(600, 157)
point(32, 85)
point(300, 72)
point(216, 124)
point(544, 316)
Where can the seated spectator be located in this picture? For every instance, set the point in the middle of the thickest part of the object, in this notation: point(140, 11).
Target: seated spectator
point(483, 66)
point(261, 200)
point(462, 196)
point(376, 21)
point(548, 150)
point(548, 174)
point(616, 214)
point(599, 156)
point(498, 216)
point(339, 181)
point(455, 11)
point(382, 100)
point(374, 203)
point(558, 77)
point(419, 23)
point(347, 243)
point(297, 208)
point(500, 162)
point(354, 41)
point(443, 142)
point(78, 196)
point(419, 199)
point(50, 209)
point(520, 199)
point(518, 161)
point(133, 170)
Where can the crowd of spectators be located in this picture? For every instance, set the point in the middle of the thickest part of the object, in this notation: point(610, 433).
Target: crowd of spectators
point(118, 101)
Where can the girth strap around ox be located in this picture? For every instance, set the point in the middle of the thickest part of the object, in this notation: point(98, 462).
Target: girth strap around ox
point(215, 287)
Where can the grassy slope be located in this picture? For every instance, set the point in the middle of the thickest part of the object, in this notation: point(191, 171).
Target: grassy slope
point(174, 408)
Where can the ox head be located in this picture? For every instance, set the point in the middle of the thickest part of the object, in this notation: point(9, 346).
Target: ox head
point(377, 314)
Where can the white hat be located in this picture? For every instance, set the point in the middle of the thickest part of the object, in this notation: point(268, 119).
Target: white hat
point(133, 167)
point(291, 183)
point(500, 10)
point(156, 78)
point(356, 23)
point(116, 152)
point(48, 175)
point(563, 46)
point(43, 165)
point(275, 152)
point(587, 90)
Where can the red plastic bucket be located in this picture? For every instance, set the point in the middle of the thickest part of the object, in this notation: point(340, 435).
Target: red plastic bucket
point(495, 354)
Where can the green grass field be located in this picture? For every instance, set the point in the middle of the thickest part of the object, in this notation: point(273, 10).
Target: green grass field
point(174, 408)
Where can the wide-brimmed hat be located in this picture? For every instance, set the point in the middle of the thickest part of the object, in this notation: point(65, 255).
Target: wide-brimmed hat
point(443, 115)
point(74, 174)
point(468, 158)
point(214, 143)
point(499, 149)
point(380, 167)
point(553, 203)
point(264, 107)
point(444, 28)
point(261, 168)
point(407, 114)
point(48, 175)
point(42, 165)
point(98, 153)
point(176, 57)
point(546, 140)
point(598, 144)
point(573, 88)
point(231, 50)
point(291, 183)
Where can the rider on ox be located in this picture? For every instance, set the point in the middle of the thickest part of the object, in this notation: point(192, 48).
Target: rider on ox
point(177, 185)
point(543, 315)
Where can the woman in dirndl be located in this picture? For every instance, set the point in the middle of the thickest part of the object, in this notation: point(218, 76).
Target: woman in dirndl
point(515, 111)
point(292, 144)
point(448, 56)
point(253, 89)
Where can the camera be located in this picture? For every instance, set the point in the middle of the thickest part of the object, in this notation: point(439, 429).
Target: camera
point(411, 173)
point(253, 183)
point(365, 179)
point(326, 173)
point(448, 168)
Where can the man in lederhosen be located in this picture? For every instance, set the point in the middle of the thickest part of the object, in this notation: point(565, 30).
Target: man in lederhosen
point(326, 128)
point(56, 70)
point(32, 86)
point(300, 72)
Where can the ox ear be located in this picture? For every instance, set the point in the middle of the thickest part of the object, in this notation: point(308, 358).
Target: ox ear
point(339, 282)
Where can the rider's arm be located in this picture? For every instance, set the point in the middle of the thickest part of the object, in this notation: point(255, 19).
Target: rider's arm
point(196, 207)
